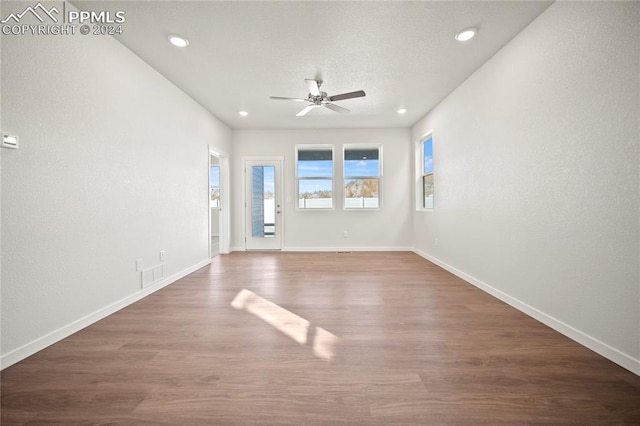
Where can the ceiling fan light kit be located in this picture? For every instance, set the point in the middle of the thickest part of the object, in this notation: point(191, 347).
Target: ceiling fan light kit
point(318, 98)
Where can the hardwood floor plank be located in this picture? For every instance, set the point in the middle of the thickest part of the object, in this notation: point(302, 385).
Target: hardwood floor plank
point(330, 339)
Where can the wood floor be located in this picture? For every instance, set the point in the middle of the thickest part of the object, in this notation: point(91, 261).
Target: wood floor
point(319, 339)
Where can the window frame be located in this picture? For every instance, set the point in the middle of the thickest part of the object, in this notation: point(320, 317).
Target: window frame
point(422, 174)
point(345, 177)
point(314, 147)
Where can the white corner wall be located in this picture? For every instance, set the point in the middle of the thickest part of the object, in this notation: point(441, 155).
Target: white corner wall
point(388, 228)
point(112, 167)
point(537, 176)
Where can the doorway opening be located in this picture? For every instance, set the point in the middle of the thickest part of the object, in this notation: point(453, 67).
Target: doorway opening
point(214, 203)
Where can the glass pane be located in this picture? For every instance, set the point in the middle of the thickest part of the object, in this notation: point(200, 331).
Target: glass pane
point(315, 193)
point(361, 162)
point(361, 194)
point(263, 212)
point(315, 165)
point(214, 186)
point(427, 152)
point(427, 186)
point(361, 168)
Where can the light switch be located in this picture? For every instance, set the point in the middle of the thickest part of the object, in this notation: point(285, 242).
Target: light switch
point(9, 141)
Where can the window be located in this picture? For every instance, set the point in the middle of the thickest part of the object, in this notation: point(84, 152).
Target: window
point(314, 171)
point(427, 172)
point(214, 186)
point(362, 177)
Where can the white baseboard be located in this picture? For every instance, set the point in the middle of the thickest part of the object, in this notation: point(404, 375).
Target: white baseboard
point(336, 249)
point(345, 249)
point(55, 336)
point(609, 352)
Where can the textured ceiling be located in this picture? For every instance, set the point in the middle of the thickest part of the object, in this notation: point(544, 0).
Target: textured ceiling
point(402, 54)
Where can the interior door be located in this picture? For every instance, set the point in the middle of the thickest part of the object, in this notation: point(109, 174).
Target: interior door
point(263, 205)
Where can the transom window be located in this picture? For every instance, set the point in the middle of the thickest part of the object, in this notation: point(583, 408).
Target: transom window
point(362, 176)
point(314, 172)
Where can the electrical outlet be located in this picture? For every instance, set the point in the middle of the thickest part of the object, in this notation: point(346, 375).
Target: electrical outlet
point(345, 234)
point(435, 241)
point(138, 265)
point(163, 254)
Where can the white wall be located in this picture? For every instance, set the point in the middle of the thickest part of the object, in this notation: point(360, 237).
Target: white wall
point(112, 167)
point(215, 222)
point(537, 192)
point(536, 175)
point(386, 228)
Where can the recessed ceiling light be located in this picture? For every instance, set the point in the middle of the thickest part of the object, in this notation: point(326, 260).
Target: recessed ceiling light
point(401, 111)
point(243, 113)
point(466, 34)
point(178, 41)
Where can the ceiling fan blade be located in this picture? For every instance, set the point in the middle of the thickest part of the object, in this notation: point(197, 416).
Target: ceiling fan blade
point(356, 94)
point(314, 89)
point(305, 111)
point(336, 108)
point(280, 98)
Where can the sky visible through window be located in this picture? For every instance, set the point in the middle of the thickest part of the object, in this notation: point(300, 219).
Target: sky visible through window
point(351, 168)
point(324, 168)
point(361, 167)
point(428, 155)
point(316, 169)
point(214, 186)
point(427, 173)
point(316, 185)
point(269, 179)
point(214, 175)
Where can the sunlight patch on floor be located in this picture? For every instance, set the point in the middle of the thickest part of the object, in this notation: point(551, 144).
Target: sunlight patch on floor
point(297, 328)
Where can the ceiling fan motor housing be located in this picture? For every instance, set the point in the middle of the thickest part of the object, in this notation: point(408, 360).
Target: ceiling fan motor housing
point(320, 99)
point(317, 98)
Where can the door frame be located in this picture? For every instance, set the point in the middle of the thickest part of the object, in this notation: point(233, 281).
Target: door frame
point(279, 194)
point(225, 200)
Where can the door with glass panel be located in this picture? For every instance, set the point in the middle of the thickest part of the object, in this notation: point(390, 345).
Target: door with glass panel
point(214, 203)
point(263, 204)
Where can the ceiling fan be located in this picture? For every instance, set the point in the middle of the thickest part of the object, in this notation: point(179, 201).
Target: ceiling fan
point(317, 98)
